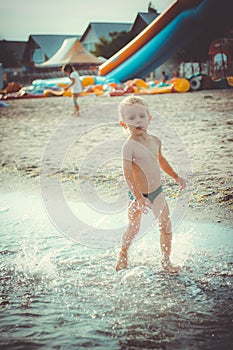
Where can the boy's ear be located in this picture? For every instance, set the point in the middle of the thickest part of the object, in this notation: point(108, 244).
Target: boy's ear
point(150, 117)
point(123, 124)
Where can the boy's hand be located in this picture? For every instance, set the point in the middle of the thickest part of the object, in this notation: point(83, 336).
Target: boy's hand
point(181, 182)
point(145, 204)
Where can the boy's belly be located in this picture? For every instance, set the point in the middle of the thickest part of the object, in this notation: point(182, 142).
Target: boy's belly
point(148, 180)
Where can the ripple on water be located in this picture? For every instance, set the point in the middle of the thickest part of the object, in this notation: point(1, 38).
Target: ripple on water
point(59, 294)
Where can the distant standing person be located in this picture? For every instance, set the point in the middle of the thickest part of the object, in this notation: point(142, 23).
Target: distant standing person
point(165, 77)
point(75, 85)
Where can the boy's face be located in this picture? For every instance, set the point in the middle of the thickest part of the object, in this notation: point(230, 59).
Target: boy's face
point(136, 118)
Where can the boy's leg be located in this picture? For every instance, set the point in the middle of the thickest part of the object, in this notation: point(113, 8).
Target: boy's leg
point(161, 212)
point(75, 101)
point(134, 217)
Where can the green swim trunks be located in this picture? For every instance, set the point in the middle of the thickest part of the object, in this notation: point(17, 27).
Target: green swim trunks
point(151, 196)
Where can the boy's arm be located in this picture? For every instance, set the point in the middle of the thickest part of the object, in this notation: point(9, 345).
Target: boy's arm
point(127, 155)
point(128, 174)
point(165, 166)
point(71, 84)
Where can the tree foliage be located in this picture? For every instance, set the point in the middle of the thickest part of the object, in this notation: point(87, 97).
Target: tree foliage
point(108, 47)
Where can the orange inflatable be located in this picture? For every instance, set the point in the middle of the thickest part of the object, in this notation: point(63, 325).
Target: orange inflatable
point(156, 90)
point(180, 85)
point(140, 83)
point(230, 81)
point(88, 80)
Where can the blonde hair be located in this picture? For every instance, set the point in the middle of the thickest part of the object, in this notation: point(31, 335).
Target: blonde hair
point(131, 100)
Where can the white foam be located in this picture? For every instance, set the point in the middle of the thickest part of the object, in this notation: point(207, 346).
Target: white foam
point(27, 209)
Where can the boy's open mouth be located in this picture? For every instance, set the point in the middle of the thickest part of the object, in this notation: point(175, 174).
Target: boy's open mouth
point(139, 128)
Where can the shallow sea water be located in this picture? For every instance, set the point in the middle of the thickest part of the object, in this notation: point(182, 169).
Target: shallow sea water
point(58, 294)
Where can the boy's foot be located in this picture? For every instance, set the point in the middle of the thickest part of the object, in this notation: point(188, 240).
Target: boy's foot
point(76, 114)
point(122, 261)
point(167, 265)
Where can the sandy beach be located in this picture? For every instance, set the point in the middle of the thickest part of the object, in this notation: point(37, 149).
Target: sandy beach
point(202, 121)
point(60, 294)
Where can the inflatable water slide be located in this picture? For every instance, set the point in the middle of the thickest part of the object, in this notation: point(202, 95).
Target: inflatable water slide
point(168, 33)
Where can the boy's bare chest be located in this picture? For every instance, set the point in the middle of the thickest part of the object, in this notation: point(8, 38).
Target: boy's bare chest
point(145, 153)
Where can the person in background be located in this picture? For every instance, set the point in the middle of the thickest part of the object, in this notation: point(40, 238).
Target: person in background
point(75, 85)
point(165, 77)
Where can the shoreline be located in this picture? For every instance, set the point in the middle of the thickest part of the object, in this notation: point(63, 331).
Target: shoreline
point(194, 212)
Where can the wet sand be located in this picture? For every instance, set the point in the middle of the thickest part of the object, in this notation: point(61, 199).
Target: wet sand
point(202, 120)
